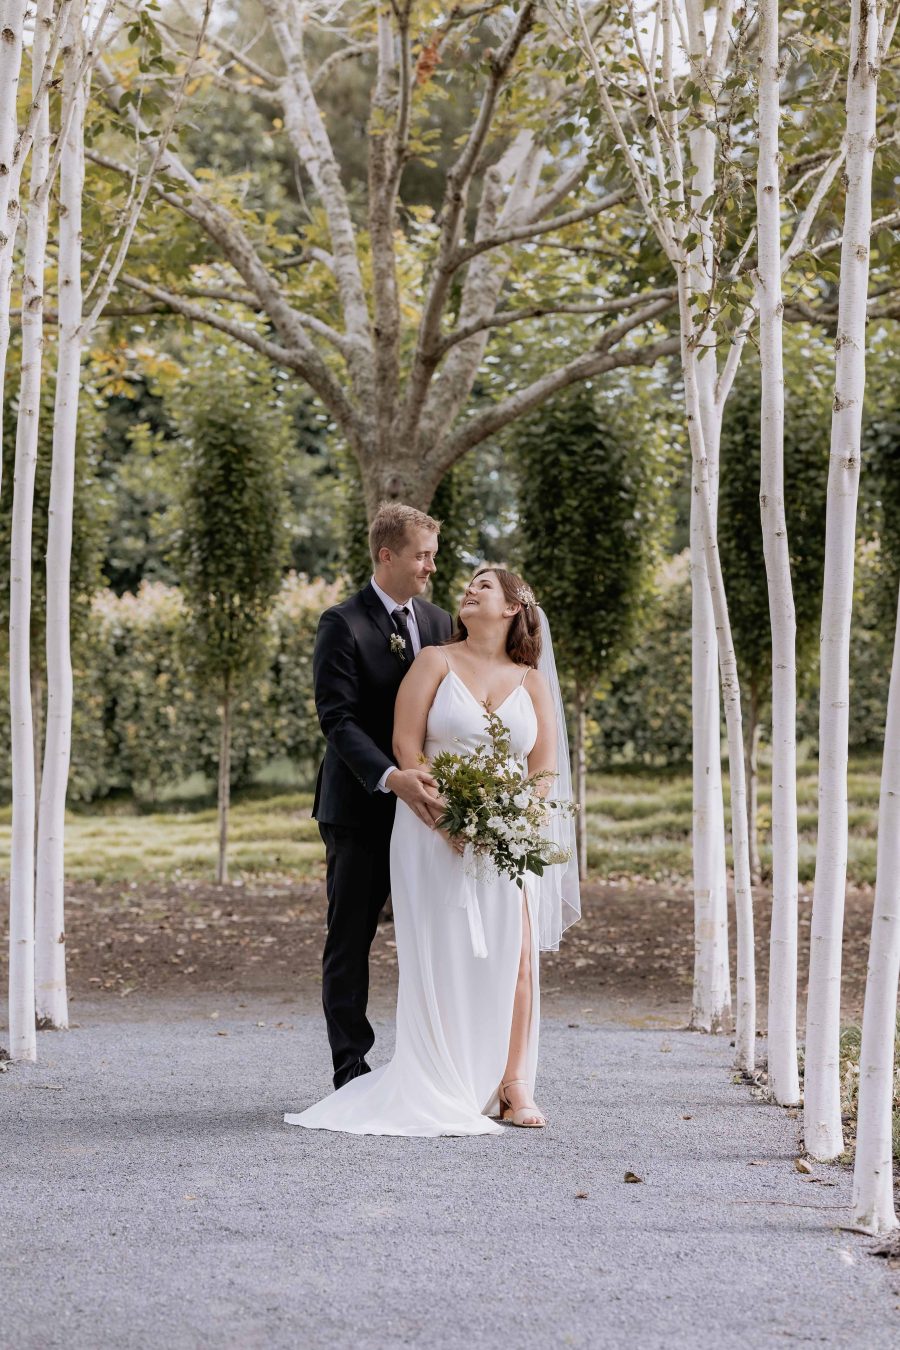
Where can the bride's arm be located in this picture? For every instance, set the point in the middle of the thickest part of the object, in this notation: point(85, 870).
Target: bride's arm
point(414, 698)
point(543, 755)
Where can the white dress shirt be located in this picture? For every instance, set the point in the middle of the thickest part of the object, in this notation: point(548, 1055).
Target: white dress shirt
point(390, 605)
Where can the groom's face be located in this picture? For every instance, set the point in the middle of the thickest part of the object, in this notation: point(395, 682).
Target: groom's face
point(410, 568)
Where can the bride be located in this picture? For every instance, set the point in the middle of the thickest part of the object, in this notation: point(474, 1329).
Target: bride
point(468, 1000)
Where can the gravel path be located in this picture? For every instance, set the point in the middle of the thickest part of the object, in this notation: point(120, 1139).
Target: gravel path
point(152, 1198)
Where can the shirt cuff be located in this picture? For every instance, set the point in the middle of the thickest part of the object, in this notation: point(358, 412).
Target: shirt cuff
point(381, 785)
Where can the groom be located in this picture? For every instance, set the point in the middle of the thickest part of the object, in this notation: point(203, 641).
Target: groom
point(363, 649)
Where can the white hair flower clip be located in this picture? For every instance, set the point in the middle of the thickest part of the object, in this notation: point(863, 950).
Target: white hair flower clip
point(525, 595)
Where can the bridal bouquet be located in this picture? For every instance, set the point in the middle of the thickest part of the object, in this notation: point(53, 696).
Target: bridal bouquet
point(499, 815)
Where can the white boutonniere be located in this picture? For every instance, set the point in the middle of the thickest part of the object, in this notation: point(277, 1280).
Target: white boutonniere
point(398, 646)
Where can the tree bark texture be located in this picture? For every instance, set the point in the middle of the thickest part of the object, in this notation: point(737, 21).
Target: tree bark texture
point(823, 1133)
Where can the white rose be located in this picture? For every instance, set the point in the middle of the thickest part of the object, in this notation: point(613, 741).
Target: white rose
point(495, 823)
point(521, 800)
point(518, 850)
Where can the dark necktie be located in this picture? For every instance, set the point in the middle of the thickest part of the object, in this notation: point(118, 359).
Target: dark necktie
point(401, 614)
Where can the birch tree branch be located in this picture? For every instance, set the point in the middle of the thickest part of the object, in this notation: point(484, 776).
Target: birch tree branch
point(138, 204)
point(455, 198)
point(481, 425)
point(221, 226)
point(332, 395)
point(503, 318)
point(524, 233)
point(306, 128)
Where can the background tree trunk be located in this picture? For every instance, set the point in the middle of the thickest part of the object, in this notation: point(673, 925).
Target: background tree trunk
point(745, 1038)
point(873, 1190)
point(50, 952)
point(783, 1071)
point(751, 762)
point(711, 1004)
point(821, 1097)
point(224, 784)
point(22, 1036)
point(37, 718)
point(711, 1000)
point(581, 702)
point(12, 20)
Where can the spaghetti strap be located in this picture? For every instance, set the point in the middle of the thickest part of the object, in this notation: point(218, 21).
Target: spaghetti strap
point(525, 676)
point(446, 659)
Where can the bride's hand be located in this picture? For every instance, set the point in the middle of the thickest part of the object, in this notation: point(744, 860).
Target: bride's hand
point(418, 789)
point(456, 842)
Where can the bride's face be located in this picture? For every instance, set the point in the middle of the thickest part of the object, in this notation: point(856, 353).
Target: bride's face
point(484, 602)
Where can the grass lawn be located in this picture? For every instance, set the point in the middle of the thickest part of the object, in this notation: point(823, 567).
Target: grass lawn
point(271, 834)
point(639, 825)
point(639, 822)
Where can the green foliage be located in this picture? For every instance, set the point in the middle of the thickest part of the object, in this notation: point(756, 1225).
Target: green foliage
point(236, 435)
point(137, 474)
point(89, 525)
point(143, 723)
point(808, 373)
point(643, 714)
point(881, 471)
point(140, 466)
point(593, 473)
point(871, 645)
point(455, 504)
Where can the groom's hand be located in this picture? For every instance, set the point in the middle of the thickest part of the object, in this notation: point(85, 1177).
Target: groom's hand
point(419, 790)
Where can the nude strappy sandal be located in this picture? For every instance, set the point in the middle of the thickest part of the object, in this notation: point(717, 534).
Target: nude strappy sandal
point(515, 1116)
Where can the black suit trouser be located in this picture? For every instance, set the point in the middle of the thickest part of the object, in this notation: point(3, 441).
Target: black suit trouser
point(357, 884)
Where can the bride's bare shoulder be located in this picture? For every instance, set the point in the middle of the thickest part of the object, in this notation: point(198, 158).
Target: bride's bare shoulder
point(538, 688)
point(534, 679)
point(432, 659)
point(426, 672)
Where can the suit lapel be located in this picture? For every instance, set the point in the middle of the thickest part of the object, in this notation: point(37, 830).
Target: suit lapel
point(377, 611)
point(423, 622)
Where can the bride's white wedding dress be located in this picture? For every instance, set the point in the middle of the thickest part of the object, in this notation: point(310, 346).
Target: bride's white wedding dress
point(454, 1008)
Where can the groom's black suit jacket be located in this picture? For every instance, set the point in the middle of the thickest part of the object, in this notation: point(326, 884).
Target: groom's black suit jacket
point(356, 677)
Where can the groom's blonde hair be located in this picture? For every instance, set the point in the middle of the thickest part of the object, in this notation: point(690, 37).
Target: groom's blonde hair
point(392, 522)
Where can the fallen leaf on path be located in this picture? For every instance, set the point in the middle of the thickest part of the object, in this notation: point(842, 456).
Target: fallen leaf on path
point(581, 1195)
point(801, 1165)
point(633, 1176)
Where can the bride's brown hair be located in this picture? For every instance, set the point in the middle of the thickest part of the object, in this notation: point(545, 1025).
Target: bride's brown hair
point(523, 639)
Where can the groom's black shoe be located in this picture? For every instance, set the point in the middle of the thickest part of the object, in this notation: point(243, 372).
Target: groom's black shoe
point(353, 1071)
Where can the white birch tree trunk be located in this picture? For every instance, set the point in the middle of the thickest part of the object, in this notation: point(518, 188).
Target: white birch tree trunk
point(12, 21)
point(50, 953)
point(21, 887)
point(581, 702)
point(745, 1012)
point(873, 1188)
point(711, 1002)
point(783, 1071)
point(224, 793)
point(823, 1135)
